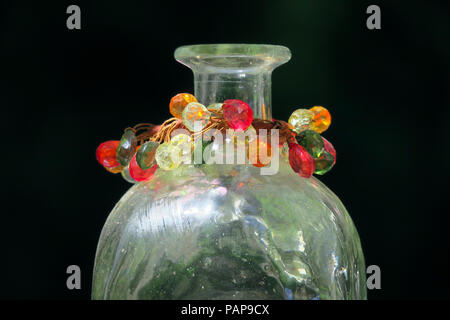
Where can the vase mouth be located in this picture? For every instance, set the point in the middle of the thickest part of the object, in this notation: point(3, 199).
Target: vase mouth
point(232, 56)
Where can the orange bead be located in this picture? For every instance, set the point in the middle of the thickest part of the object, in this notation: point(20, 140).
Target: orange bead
point(259, 153)
point(117, 169)
point(179, 102)
point(321, 120)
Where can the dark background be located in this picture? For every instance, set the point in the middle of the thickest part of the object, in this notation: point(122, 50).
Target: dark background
point(65, 91)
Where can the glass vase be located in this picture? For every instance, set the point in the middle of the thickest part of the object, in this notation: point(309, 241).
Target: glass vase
point(226, 231)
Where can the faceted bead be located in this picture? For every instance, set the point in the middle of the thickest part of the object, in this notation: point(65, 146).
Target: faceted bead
point(138, 174)
point(324, 163)
point(145, 156)
point(215, 108)
point(328, 147)
point(311, 141)
point(117, 169)
point(259, 153)
point(180, 139)
point(167, 156)
point(179, 102)
point(184, 143)
point(195, 116)
point(126, 175)
point(321, 120)
point(301, 119)
point(237, 114)
point(301, 161)
point(127, 147)
point(106, 154)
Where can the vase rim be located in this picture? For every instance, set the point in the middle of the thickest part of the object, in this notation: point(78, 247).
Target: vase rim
point(234, 71)
point(266, 54)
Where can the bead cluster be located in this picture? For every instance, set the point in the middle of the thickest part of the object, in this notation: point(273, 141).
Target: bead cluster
point(146, 147)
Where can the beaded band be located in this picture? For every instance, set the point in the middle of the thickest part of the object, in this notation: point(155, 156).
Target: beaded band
point(146, 147)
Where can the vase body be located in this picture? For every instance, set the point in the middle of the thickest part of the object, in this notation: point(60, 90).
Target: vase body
point(226, 231)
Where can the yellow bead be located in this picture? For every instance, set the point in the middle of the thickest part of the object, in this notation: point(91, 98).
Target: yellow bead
point(321, 119)
point(184, 143)
point(180, 140)
point(301, 119)
point(179, 102)
point(242, 138)
point(195, 116)
point(167, 157)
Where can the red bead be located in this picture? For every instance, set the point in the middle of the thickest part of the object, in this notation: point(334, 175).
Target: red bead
point(106, 154)
point(301, 161)
point(137, 173)
point(329, 148)
point(237, 114)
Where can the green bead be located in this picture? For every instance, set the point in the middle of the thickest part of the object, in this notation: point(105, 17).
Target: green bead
point(203, 144)
point(311, 141)
point(127, 147)
point(145, 156)
point(324, 163)
point(126, 175)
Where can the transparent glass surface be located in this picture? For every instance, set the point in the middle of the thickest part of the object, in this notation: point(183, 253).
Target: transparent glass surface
point(234, 71)
point(226, 231)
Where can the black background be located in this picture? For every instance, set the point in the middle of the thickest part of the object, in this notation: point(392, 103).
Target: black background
point(65, 91)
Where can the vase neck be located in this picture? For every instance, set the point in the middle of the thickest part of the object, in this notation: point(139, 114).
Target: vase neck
point(234, 71)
